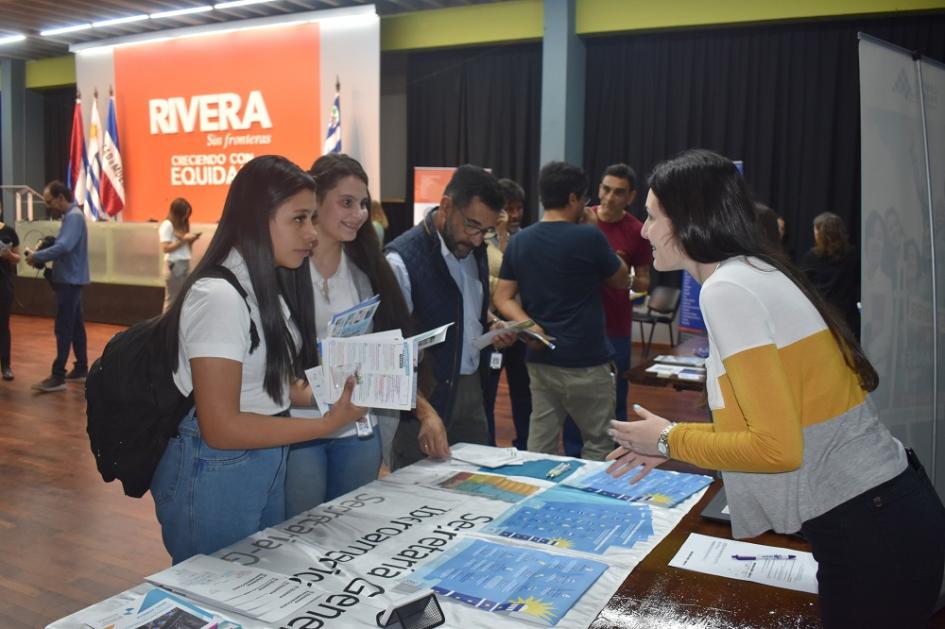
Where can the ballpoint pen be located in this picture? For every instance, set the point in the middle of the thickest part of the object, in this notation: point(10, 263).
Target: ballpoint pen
point(762, 557)
point(558, 470)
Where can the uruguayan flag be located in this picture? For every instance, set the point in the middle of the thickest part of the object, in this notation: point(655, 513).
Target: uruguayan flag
point(333, 137)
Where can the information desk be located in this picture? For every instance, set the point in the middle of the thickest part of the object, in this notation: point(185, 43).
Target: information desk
point(418, 529)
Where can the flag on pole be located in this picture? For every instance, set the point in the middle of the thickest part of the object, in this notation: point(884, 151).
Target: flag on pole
point(333, 137)
point(112, 190)
point(75, 175)
point(93, 169)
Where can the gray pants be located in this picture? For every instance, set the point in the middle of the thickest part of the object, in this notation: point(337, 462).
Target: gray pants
point(467, 424)
point(175, 274)
point(587, 394)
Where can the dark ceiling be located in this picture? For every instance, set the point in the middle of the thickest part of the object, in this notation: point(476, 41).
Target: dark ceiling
point(30, 17)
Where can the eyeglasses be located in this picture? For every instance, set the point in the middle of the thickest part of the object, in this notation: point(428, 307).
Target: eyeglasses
point(472, 228)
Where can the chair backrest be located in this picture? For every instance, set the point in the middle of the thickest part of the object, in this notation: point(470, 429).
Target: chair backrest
point(664, 300)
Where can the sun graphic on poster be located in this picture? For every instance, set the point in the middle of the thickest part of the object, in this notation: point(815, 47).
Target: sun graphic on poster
point(561, 542)
point(660, 499)
point(534, 607)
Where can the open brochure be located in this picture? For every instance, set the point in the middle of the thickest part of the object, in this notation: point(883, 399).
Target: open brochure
point(354, 321)
point(524, 334)
point(384, 365)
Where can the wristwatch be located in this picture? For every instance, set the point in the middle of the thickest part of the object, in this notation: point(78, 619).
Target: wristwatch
point(662, 444)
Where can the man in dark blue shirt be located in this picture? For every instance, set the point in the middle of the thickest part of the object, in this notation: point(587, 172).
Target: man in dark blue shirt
point(70, 274)
point(557, 267)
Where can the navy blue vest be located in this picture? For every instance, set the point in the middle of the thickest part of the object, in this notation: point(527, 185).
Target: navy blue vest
point(438, 301)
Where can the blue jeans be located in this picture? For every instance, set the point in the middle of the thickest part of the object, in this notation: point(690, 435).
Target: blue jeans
point(70, 329)
point(323, 469)
point(207, 499)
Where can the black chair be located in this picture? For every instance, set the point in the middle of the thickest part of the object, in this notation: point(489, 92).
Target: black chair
point(661, 307)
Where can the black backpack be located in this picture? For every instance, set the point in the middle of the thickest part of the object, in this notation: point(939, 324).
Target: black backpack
point(133, 405)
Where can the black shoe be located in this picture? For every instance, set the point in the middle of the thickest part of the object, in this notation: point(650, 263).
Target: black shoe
point(50, 384)
point(76, 375)
point(7, 373)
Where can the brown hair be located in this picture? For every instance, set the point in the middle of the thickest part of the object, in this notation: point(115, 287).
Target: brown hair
point(179, 214)
point(377, 213)
point(830, 236)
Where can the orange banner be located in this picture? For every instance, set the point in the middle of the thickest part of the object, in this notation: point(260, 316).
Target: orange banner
point(193, 110)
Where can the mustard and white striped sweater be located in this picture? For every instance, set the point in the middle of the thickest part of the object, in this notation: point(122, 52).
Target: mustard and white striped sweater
point(792, 431)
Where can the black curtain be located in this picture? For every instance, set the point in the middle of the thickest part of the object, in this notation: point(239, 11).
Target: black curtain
point(59, 104)
point(478, 105)
point(784, 98)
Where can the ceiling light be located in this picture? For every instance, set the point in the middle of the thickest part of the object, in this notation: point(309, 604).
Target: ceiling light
point(65, 29)
point(11, 39)
point(176, 12)
point(238, 3)
point(120, 20)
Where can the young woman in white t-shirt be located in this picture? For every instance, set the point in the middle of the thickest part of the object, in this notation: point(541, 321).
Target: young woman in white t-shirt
point(176, 239)
point(223, 477)
point(348, 267)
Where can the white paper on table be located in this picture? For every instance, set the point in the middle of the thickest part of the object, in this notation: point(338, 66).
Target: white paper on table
point(713, 555)
point(485, 456)
point(257, 593)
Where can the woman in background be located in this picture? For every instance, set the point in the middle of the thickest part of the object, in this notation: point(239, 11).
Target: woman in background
point(176, 239)
point(379, 221)
point(9, 258)
point(347, 267)
point(794, 431)
point(833, 267)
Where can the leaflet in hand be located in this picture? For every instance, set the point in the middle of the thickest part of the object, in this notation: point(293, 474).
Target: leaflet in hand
point(355, 320)
point(383, 364)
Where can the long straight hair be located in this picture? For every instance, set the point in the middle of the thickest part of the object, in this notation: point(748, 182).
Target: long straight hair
point(260, 187)
point(365, 250)
point(179, 214)
point(713, 217)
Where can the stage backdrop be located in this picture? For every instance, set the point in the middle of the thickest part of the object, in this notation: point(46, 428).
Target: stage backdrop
point(197, 104)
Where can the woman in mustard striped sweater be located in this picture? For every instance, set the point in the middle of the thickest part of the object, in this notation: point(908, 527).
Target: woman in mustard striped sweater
point(793, 430)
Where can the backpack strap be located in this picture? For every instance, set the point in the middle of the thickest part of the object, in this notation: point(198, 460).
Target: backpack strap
point(221, 272)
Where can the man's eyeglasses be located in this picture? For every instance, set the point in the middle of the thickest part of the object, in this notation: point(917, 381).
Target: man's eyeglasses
point(472, 228)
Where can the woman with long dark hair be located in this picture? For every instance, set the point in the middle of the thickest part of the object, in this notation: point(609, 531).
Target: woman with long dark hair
point(223, 477)
point(176, 240)
point(794, 431)
point(346, 268)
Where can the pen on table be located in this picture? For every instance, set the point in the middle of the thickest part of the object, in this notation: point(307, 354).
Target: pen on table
point(558, 470)
point(762, 557)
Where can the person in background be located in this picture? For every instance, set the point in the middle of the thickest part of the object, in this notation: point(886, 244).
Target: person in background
point(832, 266)
point(441, 267)
point(223, 477)
point(70, 274)
point(558, 267)
point(513, 357)
point(794, 431)
point(9, 258)
point(347, 267)
point(176, 239)
point(769, 223)
point(379, 221)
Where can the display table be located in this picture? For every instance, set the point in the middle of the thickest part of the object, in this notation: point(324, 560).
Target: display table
point(369, 548)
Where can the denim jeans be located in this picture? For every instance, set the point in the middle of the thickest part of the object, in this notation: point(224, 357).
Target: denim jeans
point(207, 499)
point(323, 469)
point(520, 396)
point(881, 555)
point(70, 328)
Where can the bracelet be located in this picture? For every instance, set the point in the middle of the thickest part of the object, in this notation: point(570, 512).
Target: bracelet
point(662, 443)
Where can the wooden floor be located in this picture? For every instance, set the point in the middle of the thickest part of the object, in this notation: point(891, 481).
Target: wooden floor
point(67, 539)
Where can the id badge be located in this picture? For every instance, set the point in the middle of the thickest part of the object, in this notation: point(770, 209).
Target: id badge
point(363, 427)
point(495, 360)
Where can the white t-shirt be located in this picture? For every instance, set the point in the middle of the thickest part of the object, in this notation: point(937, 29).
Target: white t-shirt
point(342, 294)
point(166, 234)
point(214, 323)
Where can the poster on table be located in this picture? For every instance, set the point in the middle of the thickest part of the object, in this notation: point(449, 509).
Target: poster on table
point(195, 104)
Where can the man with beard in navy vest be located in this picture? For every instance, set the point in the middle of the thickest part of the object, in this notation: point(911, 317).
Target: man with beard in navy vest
point(442, 270)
